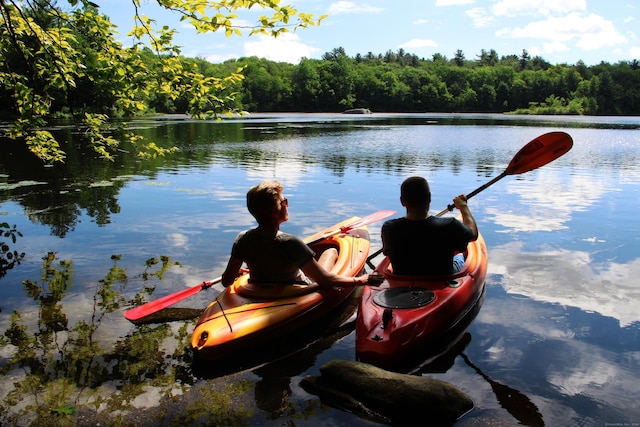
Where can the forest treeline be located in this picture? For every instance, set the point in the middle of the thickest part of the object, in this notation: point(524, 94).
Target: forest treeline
point(403, 82)
point(390, 82)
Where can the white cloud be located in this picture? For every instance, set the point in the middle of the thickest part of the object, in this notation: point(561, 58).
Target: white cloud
point(555, 46)
point(453, 2)
point(352, 7)
point(480, 17)
point(534, 51)
point(594, 32)
point(545, 7)
point(590, 32)
point(284, 48)
point(214, 58)
point(634, 52)
point(418, 43)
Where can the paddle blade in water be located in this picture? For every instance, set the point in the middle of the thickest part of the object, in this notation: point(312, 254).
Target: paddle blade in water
point(166, 301)
point(542, 150)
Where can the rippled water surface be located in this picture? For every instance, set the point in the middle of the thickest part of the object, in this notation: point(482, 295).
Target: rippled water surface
point(557, 341)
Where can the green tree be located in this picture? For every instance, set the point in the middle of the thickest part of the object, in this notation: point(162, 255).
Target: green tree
point(608, 93)
point(370, 89)
point(52, 58)
point(525, 59)
point(458, 59)
point(488, 58)
point(337, 77)
point(267, 85)
point(306, 84)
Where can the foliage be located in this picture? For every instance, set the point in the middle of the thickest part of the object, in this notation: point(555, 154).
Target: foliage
point(9, 258)
point(402, 82)
point(57, 60)
point(555, 105)
point(60, 371)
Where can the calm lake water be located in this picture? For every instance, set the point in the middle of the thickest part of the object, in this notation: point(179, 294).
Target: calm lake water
point(556, 343)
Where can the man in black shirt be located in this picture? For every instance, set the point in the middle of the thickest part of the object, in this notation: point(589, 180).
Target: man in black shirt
point(420, 244)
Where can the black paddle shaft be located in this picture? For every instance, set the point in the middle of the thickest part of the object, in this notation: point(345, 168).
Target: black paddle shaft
point(451, 207)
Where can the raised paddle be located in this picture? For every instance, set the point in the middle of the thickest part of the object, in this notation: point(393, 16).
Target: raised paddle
point(539, 152)
point(168, 300)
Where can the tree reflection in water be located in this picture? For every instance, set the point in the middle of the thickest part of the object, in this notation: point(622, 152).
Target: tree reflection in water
point(9, 257)
point(61, 372)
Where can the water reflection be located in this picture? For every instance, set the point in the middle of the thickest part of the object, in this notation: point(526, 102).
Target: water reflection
point(56, 196)
point(393, 144)
point(516, 403)
point(571, 349)
point(559, 324)
point(274, 388)
point(58, 368)
point(547, 201)
point(570, 278)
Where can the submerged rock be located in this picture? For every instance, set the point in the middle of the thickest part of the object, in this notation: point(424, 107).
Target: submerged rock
point(387, 397)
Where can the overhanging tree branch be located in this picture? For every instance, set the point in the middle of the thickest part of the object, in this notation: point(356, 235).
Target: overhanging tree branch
point(52, 67)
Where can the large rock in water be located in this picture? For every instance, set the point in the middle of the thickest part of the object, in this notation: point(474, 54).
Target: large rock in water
point(387, 397)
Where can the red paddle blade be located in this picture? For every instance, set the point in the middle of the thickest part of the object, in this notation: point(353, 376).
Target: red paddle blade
point(366, 220)
point(166, 301)
point(345, 226)
point(542, 150)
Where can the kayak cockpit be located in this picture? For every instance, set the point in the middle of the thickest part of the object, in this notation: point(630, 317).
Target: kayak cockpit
point(352, 250)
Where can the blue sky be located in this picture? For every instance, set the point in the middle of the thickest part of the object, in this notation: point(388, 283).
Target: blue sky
point(560, 31)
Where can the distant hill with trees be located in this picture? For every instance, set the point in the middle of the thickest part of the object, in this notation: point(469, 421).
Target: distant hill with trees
point(403, 82)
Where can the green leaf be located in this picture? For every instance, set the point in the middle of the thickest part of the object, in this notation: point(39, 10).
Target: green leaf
point(64, 410)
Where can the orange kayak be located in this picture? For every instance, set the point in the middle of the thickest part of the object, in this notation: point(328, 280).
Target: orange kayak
point(245, 315)
point(409, 316)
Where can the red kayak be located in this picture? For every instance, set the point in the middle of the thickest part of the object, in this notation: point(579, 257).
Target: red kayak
point(409, 316)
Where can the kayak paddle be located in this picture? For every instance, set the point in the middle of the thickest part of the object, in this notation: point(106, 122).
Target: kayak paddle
point(542, 150)
point(168, 300)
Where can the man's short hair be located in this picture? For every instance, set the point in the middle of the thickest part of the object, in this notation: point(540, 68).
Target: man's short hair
point(415, 192)
point(262, 198)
